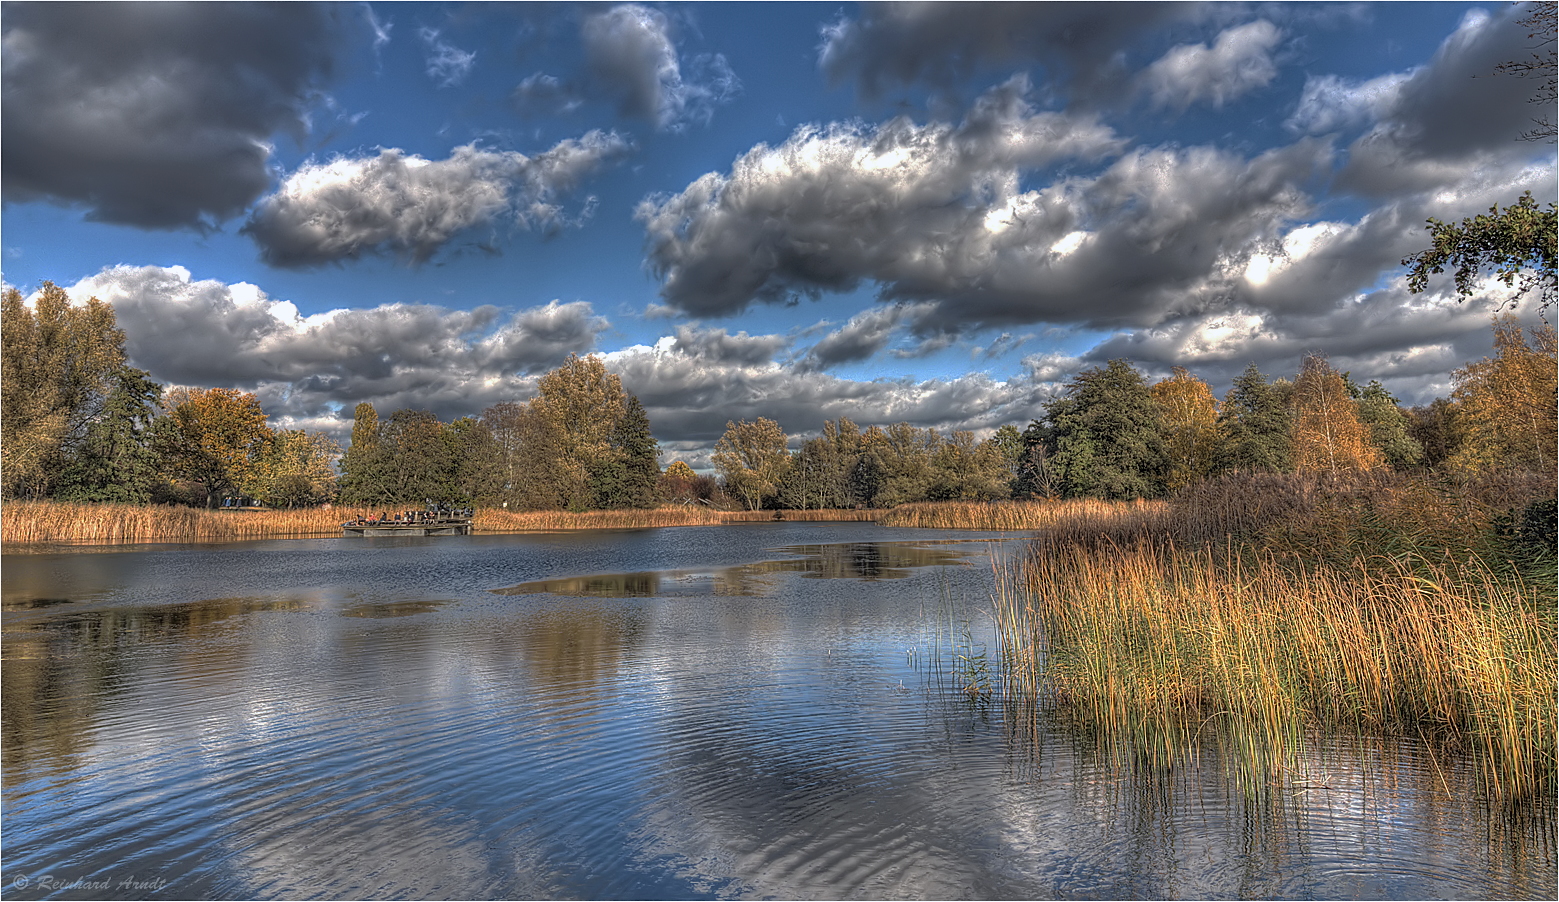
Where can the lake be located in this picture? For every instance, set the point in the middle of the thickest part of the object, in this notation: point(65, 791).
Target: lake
point(788, 710)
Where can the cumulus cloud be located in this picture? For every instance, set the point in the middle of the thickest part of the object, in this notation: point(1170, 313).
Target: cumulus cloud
point(405, 205)
point(1448, 117)
point(690, 397)
point(446, 64)
point(941, 44)
point(866, 334)
point(1239, 62)
point(936, 213)
point(156, 115)
point(1331, 104)
point(631, 57)
point(203, 332)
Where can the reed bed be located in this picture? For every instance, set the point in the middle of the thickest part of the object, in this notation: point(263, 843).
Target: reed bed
point(495, 520)
point(56, 522)
point(32, 523)
point(1078, 516)
point(843, 515)
point(1156, 644)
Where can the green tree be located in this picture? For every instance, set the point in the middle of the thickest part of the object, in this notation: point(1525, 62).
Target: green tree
point(418, 463)
point(1389, 427)
point(116, 461)
point(362, 474)
point(477, 462)
point(965, 470)
point(627, 477)
point(753, 459)
point(58, 365)
point(1257, 425)
point(1109, 435)
point(1518, 242)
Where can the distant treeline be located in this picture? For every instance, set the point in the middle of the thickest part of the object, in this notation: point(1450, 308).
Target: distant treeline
point(81, 425)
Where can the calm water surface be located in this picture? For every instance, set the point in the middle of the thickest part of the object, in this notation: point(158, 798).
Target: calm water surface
point(768, 710)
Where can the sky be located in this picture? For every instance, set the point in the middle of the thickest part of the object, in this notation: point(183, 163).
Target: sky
point(926, 213)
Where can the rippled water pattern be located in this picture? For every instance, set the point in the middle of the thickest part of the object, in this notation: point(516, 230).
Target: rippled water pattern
point(773, 710)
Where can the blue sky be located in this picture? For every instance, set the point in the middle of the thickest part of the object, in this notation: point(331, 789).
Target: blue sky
point(926, 213)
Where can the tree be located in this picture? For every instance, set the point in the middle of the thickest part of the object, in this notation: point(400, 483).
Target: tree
point(1517, 242)
point(361, 468)
point(58, 365)
point(478, 471)
point(1436, 428)
point(418, 463)
point(1543, 20)
point(679, 484)
point(1327, 433)
point(626, 478)
point(116, 461)
point(1108, 434)
point(1506, 404)
point(1257, 425)
point(1388, 427)
point(963, 470)
point(217, 438)
point(753, 459)
point(296, 468)
point(1192, 436)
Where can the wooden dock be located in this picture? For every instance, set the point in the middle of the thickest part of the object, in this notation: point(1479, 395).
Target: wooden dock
point(431, 526)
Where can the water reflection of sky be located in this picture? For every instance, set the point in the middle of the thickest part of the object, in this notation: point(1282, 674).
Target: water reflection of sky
point(383, 723)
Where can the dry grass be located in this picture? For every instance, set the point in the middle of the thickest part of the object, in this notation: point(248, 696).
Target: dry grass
point(24, 523)
point(494, 520)
point(1156, 641)
point(825, 515)
point(54, 522)
point(1263, 608)
point(1075, 517)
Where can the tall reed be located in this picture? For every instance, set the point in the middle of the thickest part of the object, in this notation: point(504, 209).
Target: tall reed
point(1154, 643)
point(496, 520)
point(1082, 514)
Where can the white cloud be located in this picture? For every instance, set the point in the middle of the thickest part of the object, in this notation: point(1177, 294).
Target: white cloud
point(1239, 62)
point(1331, 104)
point(455, 362)
point(448, 65)
point(412, 207)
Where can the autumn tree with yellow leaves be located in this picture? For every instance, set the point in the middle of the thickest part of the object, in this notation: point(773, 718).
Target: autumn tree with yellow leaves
point(1328, 436)
point(1191, 431)
point(1506, 404)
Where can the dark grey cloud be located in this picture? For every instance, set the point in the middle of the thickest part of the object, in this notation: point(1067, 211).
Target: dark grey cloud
point(1448, 117)
point(942, 44)
point(632, 60)
point(156, 115)
point(1238, 62)
point(454, 362)
point(716, 346)
point(937, 213)
point(865, 335)
point(411, 207)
